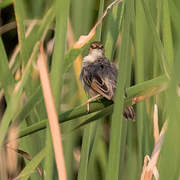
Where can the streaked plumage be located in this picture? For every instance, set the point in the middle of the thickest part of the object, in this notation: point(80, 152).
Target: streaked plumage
point(99, 76)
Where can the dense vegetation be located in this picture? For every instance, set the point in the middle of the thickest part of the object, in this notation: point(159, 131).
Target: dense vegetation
point(141, 37)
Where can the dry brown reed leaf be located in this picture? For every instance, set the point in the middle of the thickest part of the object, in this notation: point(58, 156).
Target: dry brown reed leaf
point(77, 157)
point(50, 46)
point(52, 115)
point(149, 168)
point(146, 160)
point(154, 91)
point(8, 158)
point(3, 164)
point(17, 48)
point(13, 143)
point(84, 39)
point(178, 91)
point(155, 123)
point(12, 25)
point(16, 88)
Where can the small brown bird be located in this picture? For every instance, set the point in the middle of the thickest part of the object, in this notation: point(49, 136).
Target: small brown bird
point(99, 76)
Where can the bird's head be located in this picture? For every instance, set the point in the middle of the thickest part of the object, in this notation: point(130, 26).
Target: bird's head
point(96, 49)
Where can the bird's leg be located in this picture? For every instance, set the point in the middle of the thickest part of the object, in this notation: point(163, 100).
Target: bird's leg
point(91, 99)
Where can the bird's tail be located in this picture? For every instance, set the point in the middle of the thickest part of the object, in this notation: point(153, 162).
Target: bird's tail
point(129, 113)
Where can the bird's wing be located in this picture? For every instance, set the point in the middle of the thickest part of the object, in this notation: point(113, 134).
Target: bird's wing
point(102, 86)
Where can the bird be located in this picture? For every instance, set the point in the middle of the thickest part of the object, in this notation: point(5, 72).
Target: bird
point(99, 77)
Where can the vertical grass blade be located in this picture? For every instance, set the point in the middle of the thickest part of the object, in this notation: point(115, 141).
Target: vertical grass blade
point(20, 28)
point(169, 162)
point(91, 128)
point(6, 77)
point(111, 31)
point(15, 100)
point(139, 72)
point(167, 35)
point(117, 119)
point(99, 28)
point(58, 60)
point(87, 137)
point(157, 42)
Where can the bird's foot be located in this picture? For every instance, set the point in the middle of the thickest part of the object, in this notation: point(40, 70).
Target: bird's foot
point(90, 100)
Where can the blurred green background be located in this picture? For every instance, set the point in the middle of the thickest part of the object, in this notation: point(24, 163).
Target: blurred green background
point(141, 37)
